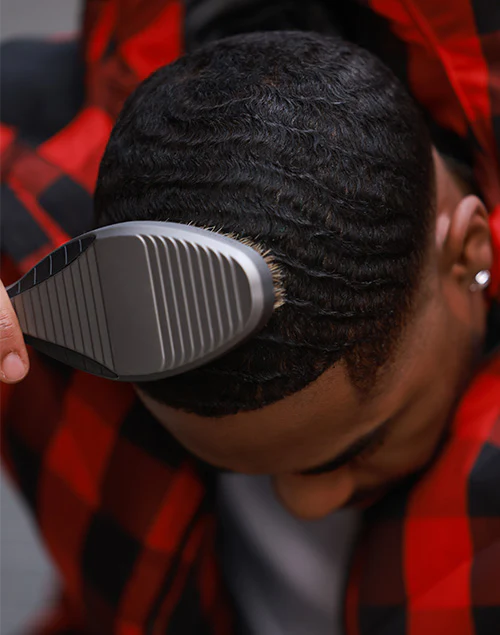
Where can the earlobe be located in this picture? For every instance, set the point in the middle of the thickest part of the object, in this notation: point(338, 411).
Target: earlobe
point(468, 241)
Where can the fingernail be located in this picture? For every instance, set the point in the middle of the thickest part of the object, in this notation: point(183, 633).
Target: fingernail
point(13, 368)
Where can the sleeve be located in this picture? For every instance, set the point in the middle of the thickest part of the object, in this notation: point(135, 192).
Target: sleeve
point(449, 61)
point(59, 100)
point(53, 137)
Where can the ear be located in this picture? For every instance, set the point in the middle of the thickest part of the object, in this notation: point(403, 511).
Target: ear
point(466, 240)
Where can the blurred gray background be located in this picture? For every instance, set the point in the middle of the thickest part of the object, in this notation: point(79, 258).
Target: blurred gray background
point(26, 578)
point(35, 17)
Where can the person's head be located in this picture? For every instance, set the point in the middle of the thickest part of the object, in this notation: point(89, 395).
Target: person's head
point(311, 149)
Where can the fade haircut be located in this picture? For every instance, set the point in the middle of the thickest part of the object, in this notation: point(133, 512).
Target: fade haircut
point(310, 147)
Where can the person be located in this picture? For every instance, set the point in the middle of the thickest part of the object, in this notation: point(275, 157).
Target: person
point(215, 412)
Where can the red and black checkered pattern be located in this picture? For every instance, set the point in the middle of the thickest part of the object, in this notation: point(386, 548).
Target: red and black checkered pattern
point(452, 67)
point(429, 561)
point(47, 182)
point(125, 512)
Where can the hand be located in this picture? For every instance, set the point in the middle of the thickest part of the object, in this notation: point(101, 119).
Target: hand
point(13, 354)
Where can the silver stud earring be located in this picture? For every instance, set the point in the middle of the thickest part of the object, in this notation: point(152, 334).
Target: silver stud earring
point(481, 280)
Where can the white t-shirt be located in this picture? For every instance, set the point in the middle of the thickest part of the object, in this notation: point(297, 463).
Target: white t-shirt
point(287, 575)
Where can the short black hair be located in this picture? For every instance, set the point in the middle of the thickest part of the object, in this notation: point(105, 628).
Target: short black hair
point(310, 147)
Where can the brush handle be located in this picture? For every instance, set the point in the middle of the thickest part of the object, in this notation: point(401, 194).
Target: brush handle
point(52, 305)
point(143, 300)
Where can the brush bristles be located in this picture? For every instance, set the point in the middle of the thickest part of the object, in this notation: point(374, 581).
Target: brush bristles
point(274, 268)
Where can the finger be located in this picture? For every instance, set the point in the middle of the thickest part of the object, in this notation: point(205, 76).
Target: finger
point(14, 363)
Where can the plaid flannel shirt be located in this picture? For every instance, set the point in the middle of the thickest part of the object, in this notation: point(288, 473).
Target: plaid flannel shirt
point(128, 515)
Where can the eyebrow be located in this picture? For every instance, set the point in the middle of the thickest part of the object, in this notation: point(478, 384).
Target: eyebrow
point(351, 452)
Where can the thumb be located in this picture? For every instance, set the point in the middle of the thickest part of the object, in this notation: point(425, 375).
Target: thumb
point(14, 362)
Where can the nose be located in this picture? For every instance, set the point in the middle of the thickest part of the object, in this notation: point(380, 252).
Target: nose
point(312, 497)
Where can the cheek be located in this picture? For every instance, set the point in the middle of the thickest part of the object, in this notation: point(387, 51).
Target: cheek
point(313, 497)
point(396, 461)
point(408, 450)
